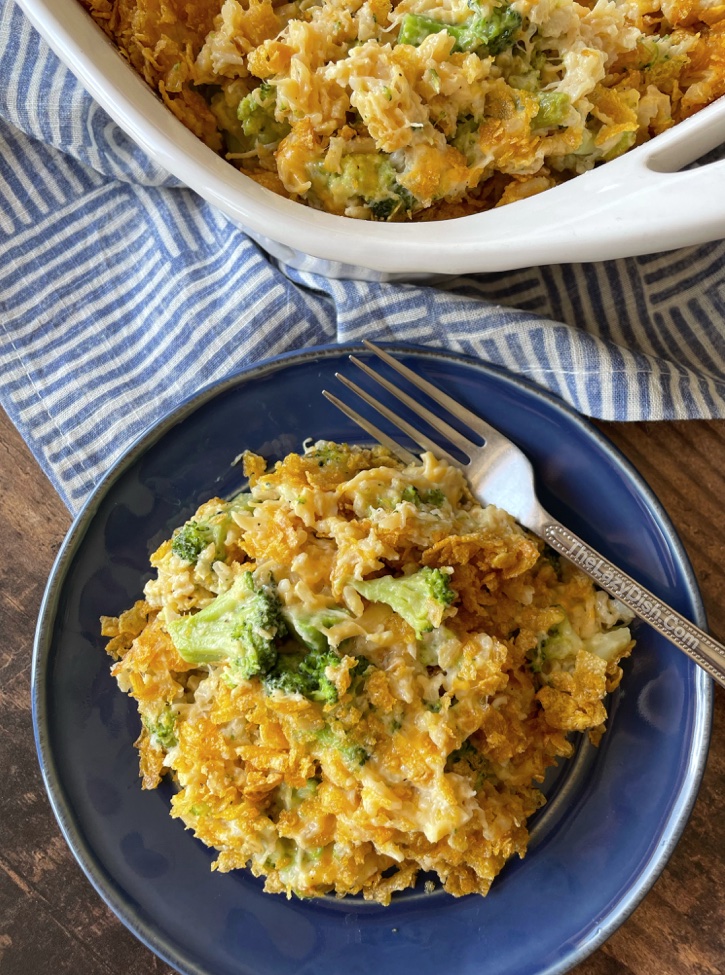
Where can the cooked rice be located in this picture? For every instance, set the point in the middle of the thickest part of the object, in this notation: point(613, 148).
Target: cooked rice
point(422, 108)
point(428, 752)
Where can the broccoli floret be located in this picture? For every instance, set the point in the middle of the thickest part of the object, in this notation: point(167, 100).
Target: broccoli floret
point(327, 452)
point(308, 626)
point(411, 494)
point(625, 142)
point(489, 35)
point(285, 676)
point(468, 760)
point(291, 798)
point(189, 541)
point(558, 648)
point(559, 644)
point(467, 138)
point(498, 31)
point(256, 113)
point(385, 208)
point(361, 668)
point(553, 109)
point(435, 497)
point(358, 675)
point(352, 753)
point(364, 178)
point(414, 28)
point(420, 598)
point(290, 859)
point(224, 105)
point(162, 729)
point(430, 645)
point(304, 673)
point(240, 627)
point(312, 668)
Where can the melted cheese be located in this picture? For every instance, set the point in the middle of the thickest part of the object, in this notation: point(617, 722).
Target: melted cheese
point(427, 760)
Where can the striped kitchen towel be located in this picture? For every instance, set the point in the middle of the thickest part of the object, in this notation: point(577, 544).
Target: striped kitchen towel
point(122, 292)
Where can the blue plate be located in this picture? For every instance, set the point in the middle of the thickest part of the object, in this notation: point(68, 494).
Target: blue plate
point(615, 812)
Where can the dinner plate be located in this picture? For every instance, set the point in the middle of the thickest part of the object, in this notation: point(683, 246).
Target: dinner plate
point(614, 815)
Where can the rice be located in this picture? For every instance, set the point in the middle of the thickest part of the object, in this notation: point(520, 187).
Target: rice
point(354, 673)
point(422, 109)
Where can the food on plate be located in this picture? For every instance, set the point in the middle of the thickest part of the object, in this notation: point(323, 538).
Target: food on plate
point(425, 109)
point(354, 673)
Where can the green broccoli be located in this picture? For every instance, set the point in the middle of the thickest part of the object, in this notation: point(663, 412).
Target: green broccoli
point(290, 859)
point(328, 452)
point(361, 668)
point(435, 497)
point(223, 105)
point(557, 649)
point(557, 644)
point(304, 673)
point(489, 35)
point(312, 669)
point(399, 201)
point(285, 676)
point(189, 541)
point(414, 28)
point(352, 753)
point(553, 109)
point(256, 113)
point(466, 138)
point(431, 643)
point(468, 760)
point(358, 675)
point(420, 598)
point(240, 627)
point(291, 797)
point(623, 143)
point(162, 729)
point(308, 626)
point(364, 178)
point(384, 209)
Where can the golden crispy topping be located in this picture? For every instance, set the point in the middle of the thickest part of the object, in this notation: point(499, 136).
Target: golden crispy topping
point(379, 691)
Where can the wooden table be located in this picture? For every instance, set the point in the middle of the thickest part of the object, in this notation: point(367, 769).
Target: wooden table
point(51, 920)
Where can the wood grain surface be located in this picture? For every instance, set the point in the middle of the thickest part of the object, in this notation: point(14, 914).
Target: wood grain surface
point(52, 922)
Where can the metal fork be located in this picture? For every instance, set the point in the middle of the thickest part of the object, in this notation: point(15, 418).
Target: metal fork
point(499, 473)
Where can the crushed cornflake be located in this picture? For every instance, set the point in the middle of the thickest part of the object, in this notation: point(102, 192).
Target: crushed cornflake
point(422, 109)
point(355, 673)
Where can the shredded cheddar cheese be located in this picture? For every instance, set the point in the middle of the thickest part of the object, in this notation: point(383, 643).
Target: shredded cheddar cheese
point(422, 109)
point(355, 673)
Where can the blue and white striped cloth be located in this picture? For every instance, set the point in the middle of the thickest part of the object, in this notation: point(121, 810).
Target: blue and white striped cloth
point(121, 293)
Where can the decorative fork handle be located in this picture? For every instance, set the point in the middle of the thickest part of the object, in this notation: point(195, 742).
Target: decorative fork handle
point(693, 641)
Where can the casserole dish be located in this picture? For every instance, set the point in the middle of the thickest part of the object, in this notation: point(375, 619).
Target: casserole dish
point(639, 203)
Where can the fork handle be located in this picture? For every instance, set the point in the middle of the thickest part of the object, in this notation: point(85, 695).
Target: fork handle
point(698, 645)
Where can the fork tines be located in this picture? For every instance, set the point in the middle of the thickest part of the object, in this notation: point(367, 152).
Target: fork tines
point(466, 446)
point(375, 432)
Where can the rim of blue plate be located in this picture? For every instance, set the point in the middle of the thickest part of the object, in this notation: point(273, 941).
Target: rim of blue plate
point(106, 886)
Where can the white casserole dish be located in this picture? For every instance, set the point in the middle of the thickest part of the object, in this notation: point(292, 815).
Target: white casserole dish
point(639, 203)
